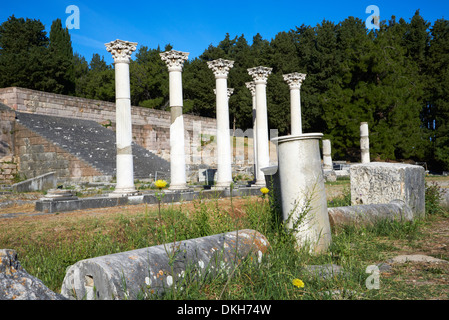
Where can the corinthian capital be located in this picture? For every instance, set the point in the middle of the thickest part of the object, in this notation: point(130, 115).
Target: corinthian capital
point(220, 67)
point(295, 80)
point(252, 87)
point(260, 74)
point(174, 59)
point(121, 50)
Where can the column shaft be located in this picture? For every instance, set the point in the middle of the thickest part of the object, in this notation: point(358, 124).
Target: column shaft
point(221, 69)
point(263, 151)
point(177, 143)
point(175, 61)
point(364, 142)
point(224, 162)
point(256, 167)
point(295, 111)
point(294, 81)
point(121, 52)
point(327, 158)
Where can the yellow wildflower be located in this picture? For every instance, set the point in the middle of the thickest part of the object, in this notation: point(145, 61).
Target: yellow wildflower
point(298, 283)
point(264, 190)
point(161, 184)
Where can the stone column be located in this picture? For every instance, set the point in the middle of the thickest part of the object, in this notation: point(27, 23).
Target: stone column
point(221, 69)
point(304, 204)
point(252, 88)
point(175, 62)
point(230, 92)
point(364, 142)
point(121, 52)
point(260, 75)
point(327, 157)
point(294, 81)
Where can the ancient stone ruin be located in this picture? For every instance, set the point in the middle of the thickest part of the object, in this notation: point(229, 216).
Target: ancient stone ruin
point(72, 147)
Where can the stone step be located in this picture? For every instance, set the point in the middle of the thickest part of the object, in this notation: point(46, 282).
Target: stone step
point(92, 143)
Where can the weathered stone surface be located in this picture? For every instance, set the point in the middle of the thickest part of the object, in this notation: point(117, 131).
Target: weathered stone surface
point(444, 198)
point(330, 175)
point(40, 183)
point(415, 258)
point(147, 271)
point(378, 182)
point(324, 271)
point(370, 213)
point(17, 284)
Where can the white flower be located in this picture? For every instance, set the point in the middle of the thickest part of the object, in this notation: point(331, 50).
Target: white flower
point(169, 281)
point(259, 253)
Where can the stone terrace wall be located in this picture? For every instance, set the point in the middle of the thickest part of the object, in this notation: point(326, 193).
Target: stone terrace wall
point(151, 128)
point(37, 156)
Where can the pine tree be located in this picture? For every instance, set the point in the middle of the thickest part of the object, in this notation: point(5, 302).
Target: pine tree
point(60, 67)
point(438, 93)
point(100, 84)
point(23, 48)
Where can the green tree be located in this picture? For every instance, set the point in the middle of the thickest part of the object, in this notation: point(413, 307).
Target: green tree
point(149, 76)
point(23, 48)
point(437, 108)
point(81, 74)
point(100, 82)
point(60, 66)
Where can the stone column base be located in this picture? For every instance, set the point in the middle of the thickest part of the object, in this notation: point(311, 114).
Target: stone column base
point(119, 193)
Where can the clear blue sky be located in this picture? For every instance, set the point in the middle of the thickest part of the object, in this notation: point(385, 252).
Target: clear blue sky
point(193, 25)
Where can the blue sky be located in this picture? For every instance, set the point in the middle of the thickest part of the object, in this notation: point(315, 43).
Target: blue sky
point(193, 25)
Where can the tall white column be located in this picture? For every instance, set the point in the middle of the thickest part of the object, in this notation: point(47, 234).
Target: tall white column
point(121, 52)
point(364, 142)
point(252, 88)
point(260, 75)
point(230, 92)
point(294, 81)
point(175, 62)
point(221, 69)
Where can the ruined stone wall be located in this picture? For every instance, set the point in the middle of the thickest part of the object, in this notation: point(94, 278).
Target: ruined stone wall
point(36, 156)
point(8, 165)
point(151, 128)
point(8, 170)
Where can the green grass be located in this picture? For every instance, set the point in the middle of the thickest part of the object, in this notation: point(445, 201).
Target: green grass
point(46, 251)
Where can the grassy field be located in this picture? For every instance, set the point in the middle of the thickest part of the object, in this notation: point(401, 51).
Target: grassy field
point(48, 244)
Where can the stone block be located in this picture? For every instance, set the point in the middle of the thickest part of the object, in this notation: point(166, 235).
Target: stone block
point(151, 271)
point(379, 182)
point(17, 284)
point(43, 182)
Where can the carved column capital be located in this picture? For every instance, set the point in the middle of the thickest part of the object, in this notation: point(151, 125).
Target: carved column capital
point(220, 67)
point(295, 79)
point(121, 50)
point(260, 74)
point(174, 59)
point(252, 87)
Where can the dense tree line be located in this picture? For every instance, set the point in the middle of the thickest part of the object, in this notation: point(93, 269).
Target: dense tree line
point(395, 78)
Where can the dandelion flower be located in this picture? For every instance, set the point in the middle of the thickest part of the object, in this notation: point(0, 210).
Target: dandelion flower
point(298, 283)
point(161, 184)
point(264, 190)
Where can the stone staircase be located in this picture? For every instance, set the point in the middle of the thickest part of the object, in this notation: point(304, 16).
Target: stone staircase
point(91, 142)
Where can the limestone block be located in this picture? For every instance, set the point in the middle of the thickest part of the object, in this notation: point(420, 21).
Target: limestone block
point(378, 182)
point(147, 271)
point(366, 214)
point(17, 284)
